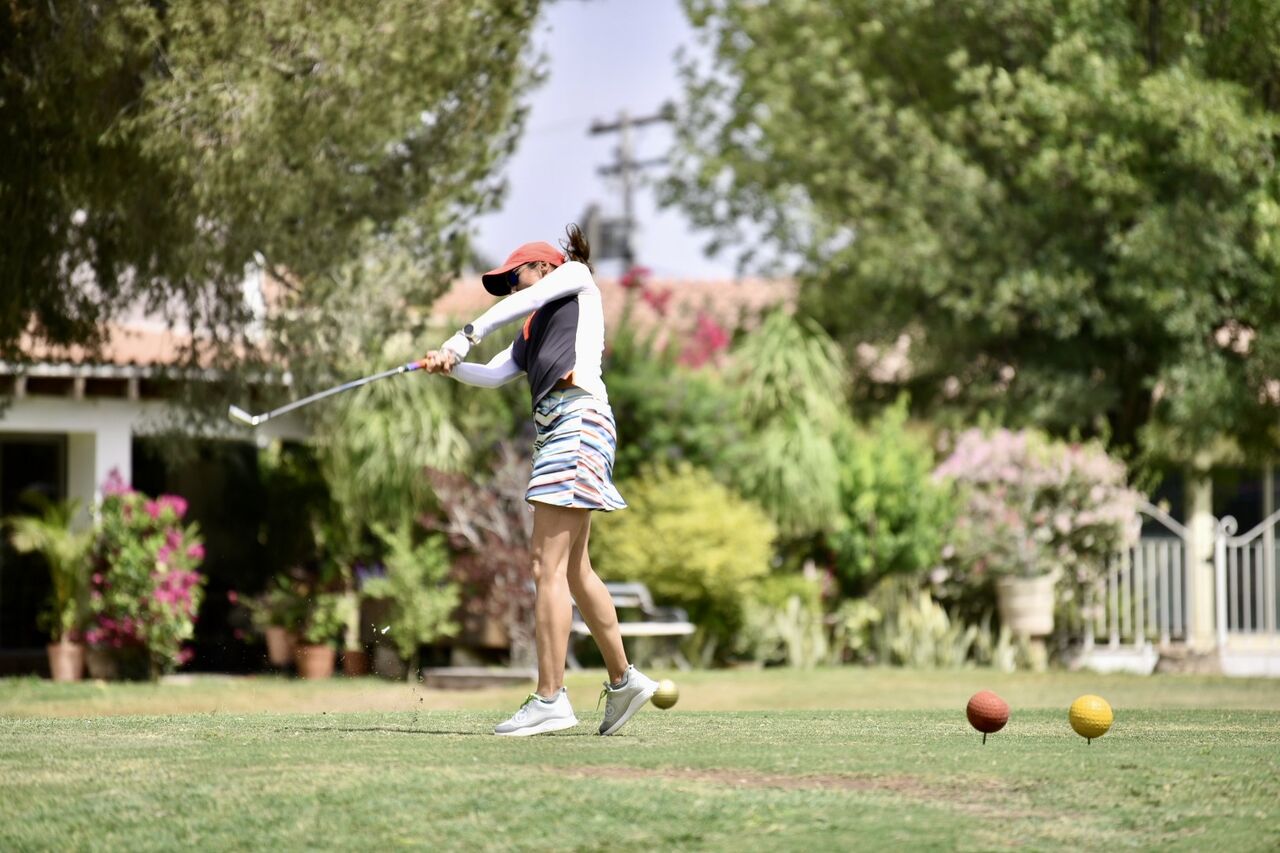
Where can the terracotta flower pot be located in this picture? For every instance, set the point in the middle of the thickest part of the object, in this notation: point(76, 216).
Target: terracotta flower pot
point(355, 663)
point(280, 646)
point(66, 660)
point(1026, 604)
point(315, 661)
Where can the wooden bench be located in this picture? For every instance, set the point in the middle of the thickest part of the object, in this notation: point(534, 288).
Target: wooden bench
point(663, 623)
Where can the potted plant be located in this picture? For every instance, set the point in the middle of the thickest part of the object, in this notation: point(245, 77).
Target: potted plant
point(326, 619)
point(65, 552)
point(420, 599)
point(145, 592)
point(276, 613)
point(1037, 512)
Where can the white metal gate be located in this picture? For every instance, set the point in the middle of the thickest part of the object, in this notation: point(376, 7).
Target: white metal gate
point(1246, 584)
point(1145, 597)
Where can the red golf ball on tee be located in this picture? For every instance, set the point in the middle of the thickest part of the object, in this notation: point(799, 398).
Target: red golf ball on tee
point(987, 712)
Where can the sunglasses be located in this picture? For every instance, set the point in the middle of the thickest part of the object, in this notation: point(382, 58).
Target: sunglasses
point(513, 276)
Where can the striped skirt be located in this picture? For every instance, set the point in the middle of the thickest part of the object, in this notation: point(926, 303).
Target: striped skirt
point(574, 451)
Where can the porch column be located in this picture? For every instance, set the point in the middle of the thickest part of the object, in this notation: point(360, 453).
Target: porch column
point(113, 449)
point(90, 458)
point(1200, 575)
point(80, 472)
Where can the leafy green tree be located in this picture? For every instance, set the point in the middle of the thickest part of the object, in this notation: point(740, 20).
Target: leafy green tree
point(152, 148)
point(1071, 208)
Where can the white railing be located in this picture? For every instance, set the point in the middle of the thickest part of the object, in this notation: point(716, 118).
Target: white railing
point(1245, 577)
point(1145, 597)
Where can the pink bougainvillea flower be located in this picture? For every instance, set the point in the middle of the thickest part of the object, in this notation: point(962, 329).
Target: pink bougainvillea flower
point(232, 596)
point(175, 502)
point(196, 551)
point(634, 278)
point(657, 300)
point(115, 484)
point(709, 339)
point(153, 509)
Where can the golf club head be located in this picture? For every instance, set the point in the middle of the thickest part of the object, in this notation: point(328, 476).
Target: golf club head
point(239, 414)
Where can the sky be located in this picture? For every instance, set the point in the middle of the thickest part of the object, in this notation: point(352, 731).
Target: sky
point(602, 56)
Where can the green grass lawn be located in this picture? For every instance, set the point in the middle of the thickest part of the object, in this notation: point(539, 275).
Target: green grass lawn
point(749, 760)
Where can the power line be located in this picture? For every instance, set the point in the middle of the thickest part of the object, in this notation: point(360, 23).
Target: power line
point(626, 166)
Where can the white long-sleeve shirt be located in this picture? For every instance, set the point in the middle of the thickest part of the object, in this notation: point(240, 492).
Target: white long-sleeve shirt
point(562, 337)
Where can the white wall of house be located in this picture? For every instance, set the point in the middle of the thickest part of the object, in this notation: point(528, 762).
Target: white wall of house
point(99, 435)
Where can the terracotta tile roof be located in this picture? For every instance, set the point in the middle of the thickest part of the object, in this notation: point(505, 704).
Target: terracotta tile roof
point(134, 345)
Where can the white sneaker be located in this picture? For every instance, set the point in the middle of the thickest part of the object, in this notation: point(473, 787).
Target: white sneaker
point(621, 702)
point(537, 717)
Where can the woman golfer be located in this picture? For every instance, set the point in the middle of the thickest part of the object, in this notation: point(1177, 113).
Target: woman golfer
point(559, 347)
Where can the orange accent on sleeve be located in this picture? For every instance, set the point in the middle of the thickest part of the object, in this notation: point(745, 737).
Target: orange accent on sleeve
point(527, 324)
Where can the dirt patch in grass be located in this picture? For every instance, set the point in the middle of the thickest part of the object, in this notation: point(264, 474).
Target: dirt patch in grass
point(976, 796)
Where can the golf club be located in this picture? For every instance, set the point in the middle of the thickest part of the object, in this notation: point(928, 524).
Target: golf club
point(239, 414)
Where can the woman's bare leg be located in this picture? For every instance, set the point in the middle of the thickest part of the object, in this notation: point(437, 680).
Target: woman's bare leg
point(555, 530)
point(596, 606)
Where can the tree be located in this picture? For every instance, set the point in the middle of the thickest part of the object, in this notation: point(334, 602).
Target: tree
point(151, 149)
point(1068, 207)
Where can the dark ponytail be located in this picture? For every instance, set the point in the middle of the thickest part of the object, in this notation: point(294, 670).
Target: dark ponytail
point(575, 246)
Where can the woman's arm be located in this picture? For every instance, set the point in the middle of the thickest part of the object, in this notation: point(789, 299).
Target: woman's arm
point(565, 280)
point(500, 370)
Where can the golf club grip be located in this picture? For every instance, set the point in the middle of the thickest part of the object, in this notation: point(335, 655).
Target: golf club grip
point(338, 389)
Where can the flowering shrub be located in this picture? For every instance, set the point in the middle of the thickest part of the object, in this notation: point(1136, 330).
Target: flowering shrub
point(708, 341)
point(145, 591)
point(1031, 506)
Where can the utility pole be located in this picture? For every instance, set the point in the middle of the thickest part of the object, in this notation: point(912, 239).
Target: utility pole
point(626, 166)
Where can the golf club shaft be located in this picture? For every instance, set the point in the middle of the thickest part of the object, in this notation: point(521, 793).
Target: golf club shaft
point(337, 389)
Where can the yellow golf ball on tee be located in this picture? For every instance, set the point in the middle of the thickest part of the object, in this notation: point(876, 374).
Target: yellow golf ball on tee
point(1090, 716)
point(666, 694)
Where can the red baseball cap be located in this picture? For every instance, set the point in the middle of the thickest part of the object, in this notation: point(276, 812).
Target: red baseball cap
point(495, 280)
